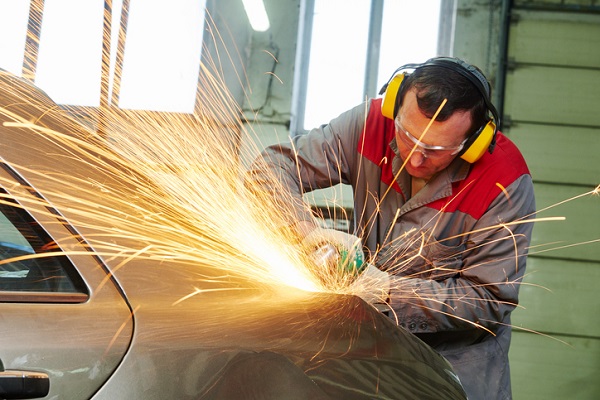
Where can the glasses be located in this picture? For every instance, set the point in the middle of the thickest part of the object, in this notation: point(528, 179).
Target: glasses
point(428, 150)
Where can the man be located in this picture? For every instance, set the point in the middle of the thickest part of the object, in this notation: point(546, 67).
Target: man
point(441, 203)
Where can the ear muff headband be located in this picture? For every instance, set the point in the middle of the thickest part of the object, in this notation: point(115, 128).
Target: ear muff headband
point(391, 101)
point(484, 138)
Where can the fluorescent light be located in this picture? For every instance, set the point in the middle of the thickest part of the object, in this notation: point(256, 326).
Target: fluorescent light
point(257, 15)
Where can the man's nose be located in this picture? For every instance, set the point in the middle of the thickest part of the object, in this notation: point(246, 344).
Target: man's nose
point(417, 159)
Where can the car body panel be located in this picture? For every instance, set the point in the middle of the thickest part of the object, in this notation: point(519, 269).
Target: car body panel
point(78, 344)
point(346, 347)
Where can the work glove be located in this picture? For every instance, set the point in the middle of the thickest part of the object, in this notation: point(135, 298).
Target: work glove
point(372, 285)
point(335, 252)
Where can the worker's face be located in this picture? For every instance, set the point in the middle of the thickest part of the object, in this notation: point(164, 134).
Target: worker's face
point(440, 145)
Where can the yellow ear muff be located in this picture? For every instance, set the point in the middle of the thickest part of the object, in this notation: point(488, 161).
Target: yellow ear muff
point(480, 144)
point(389, 99)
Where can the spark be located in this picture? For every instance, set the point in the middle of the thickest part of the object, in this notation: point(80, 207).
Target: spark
point(503, 191)
point(174, 183)
point(272, 55)
point(199, 291)
point(275, 76)
point(414, 148)
point(171, 182)
point(125, 323)
point(588, 193)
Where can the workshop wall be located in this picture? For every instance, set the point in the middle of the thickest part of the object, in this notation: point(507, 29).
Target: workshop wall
point(545, 69)
point(550, 111)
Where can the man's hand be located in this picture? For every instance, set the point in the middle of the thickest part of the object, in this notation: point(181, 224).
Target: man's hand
point(373, 285)
point(336, 251)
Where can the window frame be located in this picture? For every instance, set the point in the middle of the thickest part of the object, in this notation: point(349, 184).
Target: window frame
point(80, 292)
point(112, 60)
point(370, 88)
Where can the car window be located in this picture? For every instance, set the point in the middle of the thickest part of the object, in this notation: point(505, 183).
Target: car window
point(26, 263)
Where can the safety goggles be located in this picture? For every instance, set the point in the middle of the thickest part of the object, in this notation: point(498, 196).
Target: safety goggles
point(428, 150)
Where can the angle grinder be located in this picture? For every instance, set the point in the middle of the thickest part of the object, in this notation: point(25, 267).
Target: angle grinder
point(338, 261)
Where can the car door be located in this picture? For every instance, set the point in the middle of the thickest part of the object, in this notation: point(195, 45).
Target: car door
point(63, 321)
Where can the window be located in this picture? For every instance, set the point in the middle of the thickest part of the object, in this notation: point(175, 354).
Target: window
point(157, 70)
point(354, 46)
point(21, 239)
point(70, 51)
point(337, 59)
point(162, 55)
point(13, 31)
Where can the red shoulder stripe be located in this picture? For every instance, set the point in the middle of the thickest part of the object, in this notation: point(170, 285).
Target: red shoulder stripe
point(374, 143)
point(487, 179)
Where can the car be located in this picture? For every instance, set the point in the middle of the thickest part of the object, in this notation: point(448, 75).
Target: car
point(89, 309)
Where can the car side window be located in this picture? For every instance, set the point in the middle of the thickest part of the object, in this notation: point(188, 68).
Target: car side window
point(26, 260)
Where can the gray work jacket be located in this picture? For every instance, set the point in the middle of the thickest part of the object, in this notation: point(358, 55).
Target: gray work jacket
point(456, 251)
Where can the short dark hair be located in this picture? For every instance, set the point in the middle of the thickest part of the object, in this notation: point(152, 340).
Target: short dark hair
point(435, 83)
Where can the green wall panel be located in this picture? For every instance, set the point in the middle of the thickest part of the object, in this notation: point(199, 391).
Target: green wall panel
point(560, 297)
point(565, 239)
point(550, 38)
point(549, 95)
point(550, 108)
point(545, 368)
point(558, 153)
